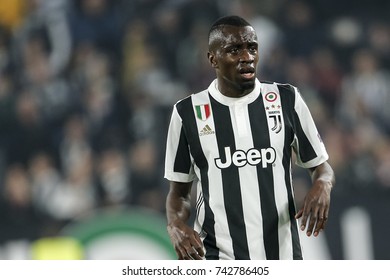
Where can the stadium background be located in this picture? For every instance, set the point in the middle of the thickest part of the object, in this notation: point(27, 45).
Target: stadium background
point(86, 89)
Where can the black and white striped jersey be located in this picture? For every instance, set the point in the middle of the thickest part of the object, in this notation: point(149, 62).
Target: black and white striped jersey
point(239, 150)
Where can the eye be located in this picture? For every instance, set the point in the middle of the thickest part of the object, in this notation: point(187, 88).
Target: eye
point(233, 50)
point(253, 49)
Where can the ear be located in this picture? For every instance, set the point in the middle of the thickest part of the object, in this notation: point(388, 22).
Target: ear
point(212, 60)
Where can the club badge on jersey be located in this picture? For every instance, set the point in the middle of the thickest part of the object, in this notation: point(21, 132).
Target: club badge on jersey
point(273, 110)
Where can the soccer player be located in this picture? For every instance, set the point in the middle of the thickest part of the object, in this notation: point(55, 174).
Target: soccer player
point(235, 141)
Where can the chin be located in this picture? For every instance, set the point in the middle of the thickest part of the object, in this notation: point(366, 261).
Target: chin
point(247, 85)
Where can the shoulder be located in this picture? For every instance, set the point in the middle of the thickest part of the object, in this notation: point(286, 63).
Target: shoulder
point(186, 102)
point(282, 87)
point(183, 101)
point(190, 96)
point(286, 88)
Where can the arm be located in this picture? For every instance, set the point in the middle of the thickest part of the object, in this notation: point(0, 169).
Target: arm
point(185, 240)
point(315, 208)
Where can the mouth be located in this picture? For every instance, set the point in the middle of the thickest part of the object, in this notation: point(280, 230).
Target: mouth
point(247, 73)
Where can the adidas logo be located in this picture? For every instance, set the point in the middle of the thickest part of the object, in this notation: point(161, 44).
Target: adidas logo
point(206, 131)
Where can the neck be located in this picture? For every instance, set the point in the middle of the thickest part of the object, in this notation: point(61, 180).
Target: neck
point(230, 89)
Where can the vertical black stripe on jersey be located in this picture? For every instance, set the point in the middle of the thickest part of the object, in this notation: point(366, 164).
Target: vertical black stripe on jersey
point(306, 150)
point(261, 140)
point(287, 101)
point(182, 162)
point(186, 112)
point(230, 181)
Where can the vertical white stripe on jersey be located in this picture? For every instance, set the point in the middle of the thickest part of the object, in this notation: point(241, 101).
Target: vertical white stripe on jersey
point(210, 150)
point(248, 183)
point(281, 199)
point(239, 114)
point(171, 148)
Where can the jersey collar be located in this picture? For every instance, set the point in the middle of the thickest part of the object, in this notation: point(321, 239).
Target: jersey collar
point(249, 98)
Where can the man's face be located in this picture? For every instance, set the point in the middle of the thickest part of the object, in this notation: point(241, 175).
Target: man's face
point(235, 56)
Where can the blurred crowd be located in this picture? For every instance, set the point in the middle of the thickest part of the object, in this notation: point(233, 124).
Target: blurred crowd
point(87, 87)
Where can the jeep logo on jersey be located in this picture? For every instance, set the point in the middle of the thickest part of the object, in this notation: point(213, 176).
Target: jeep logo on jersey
point(241, 158)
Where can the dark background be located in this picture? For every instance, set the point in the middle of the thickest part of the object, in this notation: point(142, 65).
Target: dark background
point(86, 89)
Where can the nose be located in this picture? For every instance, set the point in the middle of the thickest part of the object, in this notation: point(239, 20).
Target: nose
point(246, 56)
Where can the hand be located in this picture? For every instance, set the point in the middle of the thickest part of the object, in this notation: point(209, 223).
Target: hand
point(186, 241)
point(315, 208)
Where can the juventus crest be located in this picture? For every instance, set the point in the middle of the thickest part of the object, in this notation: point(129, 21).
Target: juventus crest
point(277, 119)
point(273, 110)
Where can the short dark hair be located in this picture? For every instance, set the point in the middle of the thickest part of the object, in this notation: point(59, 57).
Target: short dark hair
point(232, 20)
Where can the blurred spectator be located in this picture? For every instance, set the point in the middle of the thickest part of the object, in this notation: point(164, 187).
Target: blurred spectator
point(191, 60)
point(379, 41)
point(145, 177)
point(138, 55)
point(366, 92)
point(75, 144)
point(301, 28)
point(98, 23)
point(46, 181)
point(327, 77)
point(77, 195)
point(7, 104)
point(45, 22)
point(114, 177)
point(382, 162)
point(29, 135)
point(18, 217)
point(5, 38)
point(168, 30)
point(51, 92)
point(358, 174)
